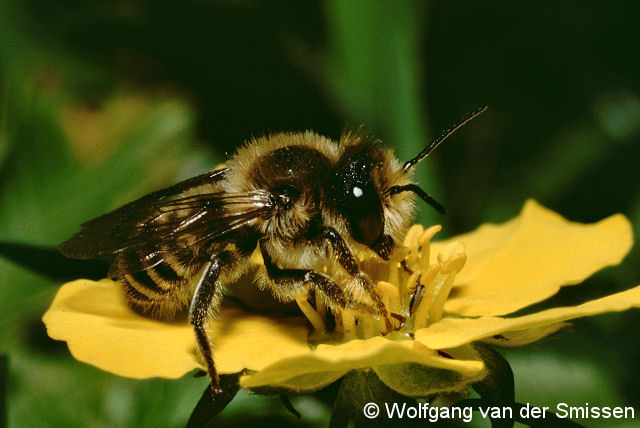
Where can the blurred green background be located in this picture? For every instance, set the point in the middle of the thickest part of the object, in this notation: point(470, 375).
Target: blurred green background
point(103, 101)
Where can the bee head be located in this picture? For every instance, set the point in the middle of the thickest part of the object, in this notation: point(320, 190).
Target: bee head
point(358, 198)
point(365, 181)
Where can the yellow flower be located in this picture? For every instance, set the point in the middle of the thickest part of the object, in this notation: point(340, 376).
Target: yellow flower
point(442, 296)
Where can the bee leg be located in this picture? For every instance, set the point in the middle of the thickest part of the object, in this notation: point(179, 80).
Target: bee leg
point(201, 302)
point(364, 283)
point(349, 263)
point(290, 284)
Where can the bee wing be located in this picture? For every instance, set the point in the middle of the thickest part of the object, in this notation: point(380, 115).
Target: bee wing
point(100, 235)
point(161, 224)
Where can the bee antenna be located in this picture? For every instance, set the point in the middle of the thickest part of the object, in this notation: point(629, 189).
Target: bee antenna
point(443, 136)
point(418, 191)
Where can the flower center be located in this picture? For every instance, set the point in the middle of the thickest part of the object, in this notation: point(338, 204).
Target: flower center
point(412, 288)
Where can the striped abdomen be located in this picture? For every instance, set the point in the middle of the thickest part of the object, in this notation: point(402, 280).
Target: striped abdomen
point(164, 288)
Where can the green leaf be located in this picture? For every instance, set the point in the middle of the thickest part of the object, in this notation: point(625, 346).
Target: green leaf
point(415, 380)
point(48, 262)
point(497, 388)
point(358, 389)
point(574, 375)
point(4, 375)
point(519, 411)
point(289, 406)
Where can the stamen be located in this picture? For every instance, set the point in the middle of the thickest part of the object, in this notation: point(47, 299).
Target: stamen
point(386, 291)
point(412, 282)
point(411, 238)
point(444, 281)
point(439, 291)
point(408, 288)
point(425, 242)
point(367, 327)
point(394, 275)
point(321, 307)
point(437, 279)
point(411, 242)
point(421, 312)
point(450, 250)
point(397, 276)
point(313, 317)
point(339, 328)
point(428, 275)
point(348, 325)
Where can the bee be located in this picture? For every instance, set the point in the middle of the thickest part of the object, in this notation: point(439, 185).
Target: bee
point(302, 200)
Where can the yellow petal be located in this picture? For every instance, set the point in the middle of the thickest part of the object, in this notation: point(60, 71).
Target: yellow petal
point(452, 332)
point(332, 361)
point(100, 329)
point(528, 259)
point(514, 339)
point(247, 341)
point(93, 318)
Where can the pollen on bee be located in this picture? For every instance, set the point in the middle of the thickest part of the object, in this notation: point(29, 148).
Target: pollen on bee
point(412, 287)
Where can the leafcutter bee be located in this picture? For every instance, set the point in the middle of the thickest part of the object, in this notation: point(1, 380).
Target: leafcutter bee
point(302, 200)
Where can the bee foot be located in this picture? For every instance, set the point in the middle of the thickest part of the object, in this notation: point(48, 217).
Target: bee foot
point(389, 327)
point(399, 318)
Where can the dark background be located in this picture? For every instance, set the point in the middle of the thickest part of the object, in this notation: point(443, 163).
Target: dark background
point(102, 101)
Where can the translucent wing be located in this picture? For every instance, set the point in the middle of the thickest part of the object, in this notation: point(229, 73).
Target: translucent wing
point(167, 222)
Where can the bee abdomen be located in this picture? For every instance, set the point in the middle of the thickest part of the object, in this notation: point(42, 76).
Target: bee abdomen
point(154, 284)
point(163, 288)
point(134, 295)
point(159, 289)
point(144, 281)
point(167, 273)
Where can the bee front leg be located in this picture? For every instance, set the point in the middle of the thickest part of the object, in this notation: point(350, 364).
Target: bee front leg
point(201, 304)
point(349, 263)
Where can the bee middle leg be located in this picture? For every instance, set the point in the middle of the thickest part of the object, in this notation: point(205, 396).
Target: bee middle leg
point(207, 296)
point(289, 284)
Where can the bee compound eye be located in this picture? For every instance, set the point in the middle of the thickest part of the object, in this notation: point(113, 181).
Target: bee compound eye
point(364, 212)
